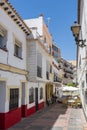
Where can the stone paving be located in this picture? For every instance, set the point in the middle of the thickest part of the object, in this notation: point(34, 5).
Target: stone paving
point(54, 117)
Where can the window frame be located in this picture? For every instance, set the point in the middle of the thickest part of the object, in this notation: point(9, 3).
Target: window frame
point(31, 95)
point(3, 38)
point(41, 93)
point(14, 98)
point(18, 49)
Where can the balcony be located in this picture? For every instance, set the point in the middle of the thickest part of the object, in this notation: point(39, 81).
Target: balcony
point(39, 72)
point(60, 66)
point(37, 36)
point(71, 77)
point(68, 70)
point(57, 79)
point(47, 75)
point(66, 65)
point(65, 75)
point(71, 68)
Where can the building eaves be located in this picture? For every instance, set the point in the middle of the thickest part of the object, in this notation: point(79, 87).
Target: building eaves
point(9, 9)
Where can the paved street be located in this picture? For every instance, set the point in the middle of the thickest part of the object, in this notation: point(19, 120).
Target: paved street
point(54, 117)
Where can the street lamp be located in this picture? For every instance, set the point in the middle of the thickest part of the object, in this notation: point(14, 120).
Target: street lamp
point(76, 30)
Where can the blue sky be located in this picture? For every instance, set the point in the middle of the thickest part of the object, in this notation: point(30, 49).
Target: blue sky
point(62, 14)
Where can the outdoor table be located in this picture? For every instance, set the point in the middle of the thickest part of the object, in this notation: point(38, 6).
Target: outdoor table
point(70, 102)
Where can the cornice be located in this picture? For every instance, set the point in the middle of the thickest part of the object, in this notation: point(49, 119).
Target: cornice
point(12, 69)
point(12, 13)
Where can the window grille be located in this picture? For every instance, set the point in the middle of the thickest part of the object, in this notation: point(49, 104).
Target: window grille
point(14, 97)
point(18, 49)
point(31, 95)
point(41, 93)
point(3, 38)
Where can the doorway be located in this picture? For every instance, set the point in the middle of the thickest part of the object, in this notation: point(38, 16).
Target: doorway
point(36, 98)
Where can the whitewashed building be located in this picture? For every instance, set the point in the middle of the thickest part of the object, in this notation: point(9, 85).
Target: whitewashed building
point(13, 69)
point(26, 75)
point(39, 57)
point(82, 53)
point(26, 79)
point(57, 77)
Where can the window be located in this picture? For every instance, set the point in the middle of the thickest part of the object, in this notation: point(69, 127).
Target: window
point(14, 96)
point(44, 39)
point(39, 64)
point(18, 49)
point(55, 48)
point(80, 62)
point(41, 93)
point(31, 95)
point(50, 68)
point(86, 95)
point(47, 69)
point(55, 54)
point(86, 78)
point(3, 38)
point(50, 49)
point(39, 72)
point(47, 75)
point(83, 85)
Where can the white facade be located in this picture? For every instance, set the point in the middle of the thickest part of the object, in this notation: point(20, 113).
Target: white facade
point(35, 85)
point(12, 33)
point(13, 68)
point(26, 63)
point(26, 79)
point(7, 58)
point(36, 23)
point(82, 53)
point(39, 53)
point(57, 77)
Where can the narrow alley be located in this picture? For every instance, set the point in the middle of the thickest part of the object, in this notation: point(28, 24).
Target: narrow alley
point(43, 65)
point(54, 117)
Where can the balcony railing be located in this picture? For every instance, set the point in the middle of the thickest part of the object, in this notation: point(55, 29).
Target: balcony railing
point(37, 36)
point(71, 68)
point(65, 75)
point(71, 77)
point(46, 46)
point(47, 75)
point(39, 72)
point(66, 65)
point(57, 79)
point(68, 70)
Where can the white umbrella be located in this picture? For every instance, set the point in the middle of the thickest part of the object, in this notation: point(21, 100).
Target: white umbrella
point(69, 90)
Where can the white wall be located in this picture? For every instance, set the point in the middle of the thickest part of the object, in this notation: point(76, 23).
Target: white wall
point(2, 96)
point(13, 79)
point(36, 22)
point(35, 85)
point(82, 53)
point(45, 57)
point(13, 31)
point(32, 60)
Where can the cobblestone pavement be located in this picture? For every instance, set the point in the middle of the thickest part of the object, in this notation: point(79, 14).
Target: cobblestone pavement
point(54, 117)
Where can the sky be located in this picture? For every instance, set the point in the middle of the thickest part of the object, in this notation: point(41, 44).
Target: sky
point(61, 15)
